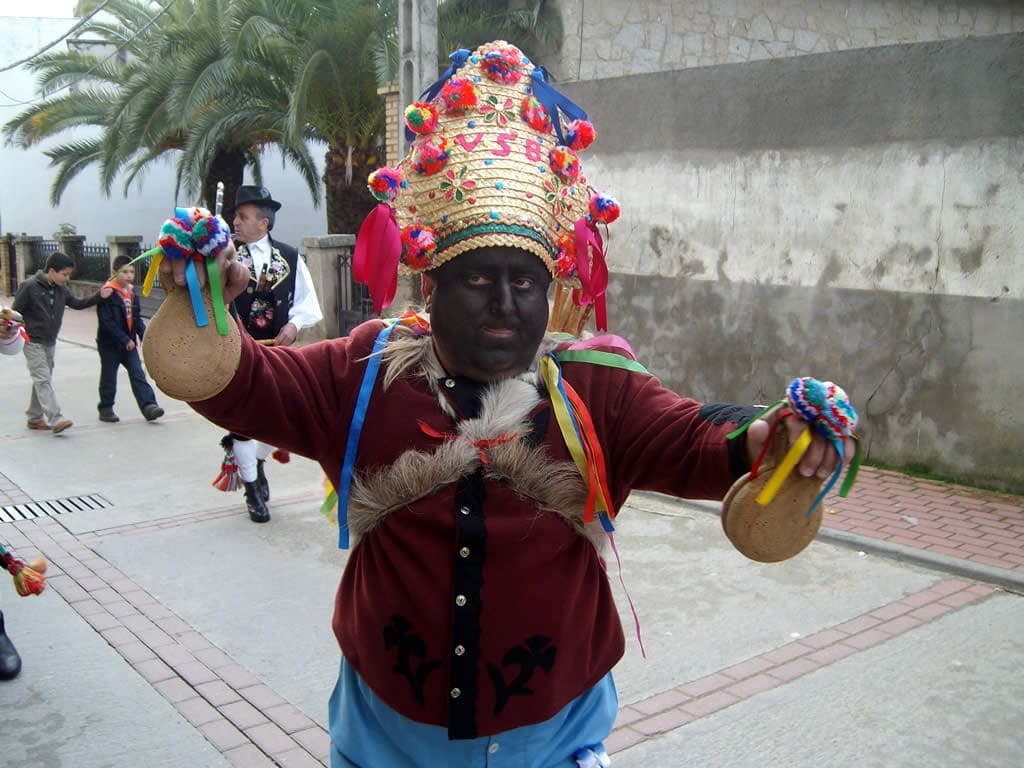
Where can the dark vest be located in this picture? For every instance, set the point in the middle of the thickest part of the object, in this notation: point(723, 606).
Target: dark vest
point(265, 313)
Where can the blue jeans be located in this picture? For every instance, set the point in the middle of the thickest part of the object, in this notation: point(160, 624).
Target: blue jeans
point(110, 358)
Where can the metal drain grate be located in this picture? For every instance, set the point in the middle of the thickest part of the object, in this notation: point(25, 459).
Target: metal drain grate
point(51, 508)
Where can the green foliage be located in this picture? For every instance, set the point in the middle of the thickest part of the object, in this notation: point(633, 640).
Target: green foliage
point(64, 230)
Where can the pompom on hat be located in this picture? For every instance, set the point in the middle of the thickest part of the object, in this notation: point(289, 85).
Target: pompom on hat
point(493, 161)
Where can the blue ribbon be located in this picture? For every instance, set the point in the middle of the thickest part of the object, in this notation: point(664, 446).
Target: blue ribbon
point(198, 307)
point(355, 429)
point(458, 60)
point(554, 102)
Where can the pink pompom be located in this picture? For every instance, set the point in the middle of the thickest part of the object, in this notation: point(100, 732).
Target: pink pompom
point(564, 163)
point(503, 65)
point(535, 114)
point(429, 155)
point(604, 208)
point(457, 96)
point(418, 246)
point(384, 183)
point(581, 134)
point(421, 118)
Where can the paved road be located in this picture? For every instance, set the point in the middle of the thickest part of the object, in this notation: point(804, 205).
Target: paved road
point(176, 633)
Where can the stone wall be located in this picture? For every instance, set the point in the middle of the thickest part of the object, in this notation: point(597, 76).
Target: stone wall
point(853, 215)
point(609, 38)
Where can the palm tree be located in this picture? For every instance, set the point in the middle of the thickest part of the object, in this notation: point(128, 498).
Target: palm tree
point(172, 84)
point(323, 49)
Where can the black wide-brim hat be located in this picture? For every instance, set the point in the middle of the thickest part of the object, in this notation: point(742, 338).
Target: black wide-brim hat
point(257, 195)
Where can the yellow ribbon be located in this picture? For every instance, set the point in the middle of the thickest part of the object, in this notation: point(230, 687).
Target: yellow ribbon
point(764, 498)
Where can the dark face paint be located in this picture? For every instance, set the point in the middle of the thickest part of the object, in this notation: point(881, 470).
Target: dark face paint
point(489, 311)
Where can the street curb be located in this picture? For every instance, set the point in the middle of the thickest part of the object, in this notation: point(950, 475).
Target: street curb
point(1009, 580)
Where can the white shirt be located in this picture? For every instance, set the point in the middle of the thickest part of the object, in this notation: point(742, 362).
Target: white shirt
point(305, 309)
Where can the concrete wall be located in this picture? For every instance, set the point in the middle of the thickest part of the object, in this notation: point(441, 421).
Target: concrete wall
point(852, 215)
point(609, 38)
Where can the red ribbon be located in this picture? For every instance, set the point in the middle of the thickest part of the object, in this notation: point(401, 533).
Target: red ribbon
point(376, 257)
point(480, 445)
point(593, 273)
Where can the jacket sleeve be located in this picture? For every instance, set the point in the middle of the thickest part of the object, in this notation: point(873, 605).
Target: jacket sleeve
point(76, 303)
point(657, 440)
point(21, 298)
point(109, 317)
point(140, 325)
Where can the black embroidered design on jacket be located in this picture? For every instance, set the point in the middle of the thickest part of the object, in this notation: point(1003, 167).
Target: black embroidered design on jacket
point(398, 634)
point(537, 652)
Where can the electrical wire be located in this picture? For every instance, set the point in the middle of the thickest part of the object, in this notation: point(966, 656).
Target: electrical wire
point(94, 67)
point(67, 34)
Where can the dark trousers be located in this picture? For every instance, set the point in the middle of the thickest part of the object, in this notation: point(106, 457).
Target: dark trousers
point(110, 358)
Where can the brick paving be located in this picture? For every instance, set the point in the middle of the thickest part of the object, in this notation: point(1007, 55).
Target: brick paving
point(252, 726)
point(974, 525)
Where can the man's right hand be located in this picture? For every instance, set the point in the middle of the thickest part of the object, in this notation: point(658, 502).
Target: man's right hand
point(234, 275)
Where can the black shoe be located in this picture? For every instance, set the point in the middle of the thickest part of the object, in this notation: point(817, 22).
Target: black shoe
point(10, 661)
point(107, 414)
point(152, 412)
point(261, 480)
point(258, 511)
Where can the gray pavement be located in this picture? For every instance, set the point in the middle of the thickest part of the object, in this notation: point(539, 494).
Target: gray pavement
point(177, 633)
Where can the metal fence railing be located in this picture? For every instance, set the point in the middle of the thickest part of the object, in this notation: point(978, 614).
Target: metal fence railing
point(40, 252)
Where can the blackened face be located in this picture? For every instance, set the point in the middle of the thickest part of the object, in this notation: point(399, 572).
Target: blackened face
point(488, 311)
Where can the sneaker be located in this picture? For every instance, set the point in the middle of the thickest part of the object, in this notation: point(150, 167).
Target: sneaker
point(152, 412)
point(38, 424)
point(107, 414)
point(61, 425)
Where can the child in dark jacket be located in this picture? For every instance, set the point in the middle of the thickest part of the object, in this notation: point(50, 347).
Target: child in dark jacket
point(41, 301)
point(118, 333)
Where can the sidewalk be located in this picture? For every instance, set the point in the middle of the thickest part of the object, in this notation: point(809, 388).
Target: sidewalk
point(201, 639)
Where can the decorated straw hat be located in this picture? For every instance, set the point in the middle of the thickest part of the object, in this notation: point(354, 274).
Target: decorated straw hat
point(494, 161)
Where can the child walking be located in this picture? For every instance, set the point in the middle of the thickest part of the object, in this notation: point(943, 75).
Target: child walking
point(41, 300)
point(118, 333)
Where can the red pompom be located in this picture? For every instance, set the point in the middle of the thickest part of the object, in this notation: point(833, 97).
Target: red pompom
point(581, 134)
point(281, 455)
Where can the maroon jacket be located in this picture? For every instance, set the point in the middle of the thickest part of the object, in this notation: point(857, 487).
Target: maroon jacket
point(473, 607)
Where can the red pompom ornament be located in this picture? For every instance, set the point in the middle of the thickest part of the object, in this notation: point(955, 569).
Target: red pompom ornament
point(604, 208)
point(565, 263)
point(429, 155)
point(564, 163)
point(457, 96)
point(418, 246)
point(384, 183)
point(421, 118)
point(535, 114)
point(581, 134)
point(503, 65)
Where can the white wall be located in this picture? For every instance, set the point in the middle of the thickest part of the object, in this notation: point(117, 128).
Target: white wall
point(26, 178)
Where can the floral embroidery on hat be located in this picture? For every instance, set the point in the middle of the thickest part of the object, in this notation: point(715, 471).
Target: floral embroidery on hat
point(456, 187)
point(500, 115)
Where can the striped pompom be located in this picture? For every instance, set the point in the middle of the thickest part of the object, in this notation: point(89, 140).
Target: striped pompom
point(384, 183)
point(824, 405)
point(421, 118)
point(604, 209)
point(176, 239)
point(211, 234)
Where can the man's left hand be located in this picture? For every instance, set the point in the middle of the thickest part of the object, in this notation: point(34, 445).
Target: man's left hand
point(820, 458)
point(105, 291)
point(286, 336)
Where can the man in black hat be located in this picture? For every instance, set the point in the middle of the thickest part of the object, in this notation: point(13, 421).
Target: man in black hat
point(279, 302)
